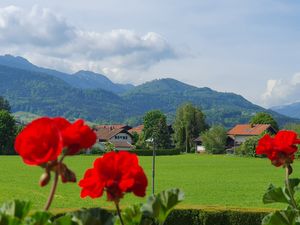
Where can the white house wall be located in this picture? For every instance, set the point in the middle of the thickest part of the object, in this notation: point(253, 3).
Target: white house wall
point(122, 137)
point(241, 139)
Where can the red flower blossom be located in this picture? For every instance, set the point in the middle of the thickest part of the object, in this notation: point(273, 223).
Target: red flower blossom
point(280, 149)
point(39, 142)
point(61, 123)
point(116, 173)
point(78, 136)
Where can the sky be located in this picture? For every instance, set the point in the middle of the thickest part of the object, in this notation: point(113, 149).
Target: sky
point(249, 47)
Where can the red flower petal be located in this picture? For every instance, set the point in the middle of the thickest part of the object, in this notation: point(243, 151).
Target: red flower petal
point(280, 149)
point(117, 173)
point(39, 142)
point(78, 136)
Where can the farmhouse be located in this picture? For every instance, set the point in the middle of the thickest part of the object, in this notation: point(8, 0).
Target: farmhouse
point(241, 132)
point(118, 135)
point(137, 129)
point(198, 145)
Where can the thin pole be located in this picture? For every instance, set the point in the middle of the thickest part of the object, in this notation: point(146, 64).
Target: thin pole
point(153, 167)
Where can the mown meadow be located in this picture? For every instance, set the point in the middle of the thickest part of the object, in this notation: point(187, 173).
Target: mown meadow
point(209, 181)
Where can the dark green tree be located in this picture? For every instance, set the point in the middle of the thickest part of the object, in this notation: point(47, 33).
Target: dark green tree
point(248, 147)
point(135, 137)
point(264, 118)
point(214, 140)
point(4, 104)
point(8, 131)
point(189, 123)
point(156, 129)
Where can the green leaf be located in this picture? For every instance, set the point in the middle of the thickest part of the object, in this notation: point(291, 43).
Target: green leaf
point(131, 215)
point(161, 205)
point(16, 208)
point(94, 216)
point(64, 220)
point(294, 182)
point(276, 194)
point(39, 218)
point(9, 220)
point(287, 217)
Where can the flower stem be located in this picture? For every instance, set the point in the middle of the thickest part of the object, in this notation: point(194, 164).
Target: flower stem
point(288, 186)
point(119, 212)
point(52, 192)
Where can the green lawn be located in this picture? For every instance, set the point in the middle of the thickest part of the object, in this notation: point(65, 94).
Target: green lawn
point(207, 180)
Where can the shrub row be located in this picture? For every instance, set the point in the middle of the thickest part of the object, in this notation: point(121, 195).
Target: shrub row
point(148, 152)
point(201, 217)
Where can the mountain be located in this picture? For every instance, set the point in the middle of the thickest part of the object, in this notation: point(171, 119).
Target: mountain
point(291, 110)
point(220, 108)
point(33, 89)
point(81, 79)
point(91, 80)
point(43, 94)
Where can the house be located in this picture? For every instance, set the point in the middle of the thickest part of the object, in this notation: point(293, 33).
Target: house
point(199, 147)
point(137, 129)
point(241, 132)
point(118, 135)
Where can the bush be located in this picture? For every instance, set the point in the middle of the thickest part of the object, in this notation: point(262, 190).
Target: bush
point(148, 152)
point(96, 151)
point(248, 148)
point(202, 217)
point(214, 140)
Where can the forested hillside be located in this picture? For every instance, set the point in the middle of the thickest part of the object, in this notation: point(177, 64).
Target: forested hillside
point(43, 94)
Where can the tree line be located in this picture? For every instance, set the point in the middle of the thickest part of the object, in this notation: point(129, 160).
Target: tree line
point(189, 124)
point(8, 128)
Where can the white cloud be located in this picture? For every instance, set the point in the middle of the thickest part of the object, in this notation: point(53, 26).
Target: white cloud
point(38, 27)
point(282, 91)
point(42, 33)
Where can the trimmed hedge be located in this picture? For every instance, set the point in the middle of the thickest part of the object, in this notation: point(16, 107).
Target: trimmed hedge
point(148, 152)
point(201, 217)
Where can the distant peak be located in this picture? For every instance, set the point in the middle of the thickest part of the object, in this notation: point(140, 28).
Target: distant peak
point(90, 73)
point(15, 61)
point(85, 72)
point(16, 58)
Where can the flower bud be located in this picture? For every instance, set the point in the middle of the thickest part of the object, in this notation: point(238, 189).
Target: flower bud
point(66, 174)
point(45, 178)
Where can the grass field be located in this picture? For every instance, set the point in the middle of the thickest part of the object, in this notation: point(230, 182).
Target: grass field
point(207, 180)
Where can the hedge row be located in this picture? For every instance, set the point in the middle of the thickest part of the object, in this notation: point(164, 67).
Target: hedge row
point(149, 152)
point(201, 217)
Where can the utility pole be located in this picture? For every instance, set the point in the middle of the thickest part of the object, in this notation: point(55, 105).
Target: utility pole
point(153, 165)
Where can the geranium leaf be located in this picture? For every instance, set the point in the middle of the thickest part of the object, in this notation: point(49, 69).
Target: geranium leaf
point(131, 215)
point(9, 220)
point(39, 218)
point(286, 217)
point(64, 220)
point(94, 216)
point(294, 182)
point(16, 208)
point(160, 206)
point(276, 194)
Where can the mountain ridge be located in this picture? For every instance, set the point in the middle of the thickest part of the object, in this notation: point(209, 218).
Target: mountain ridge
point(81, 79)
point(291, 110)
point(43, 94)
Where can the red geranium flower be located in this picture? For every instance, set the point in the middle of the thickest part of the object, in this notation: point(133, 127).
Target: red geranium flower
point(39, 142)
point(280, 149)
point(116, 173)
point(77, 136)
point(61, 123)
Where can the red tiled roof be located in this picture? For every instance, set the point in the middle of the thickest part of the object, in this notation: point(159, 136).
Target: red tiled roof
point(107, 133)
point(111, 126)
point(137, 129)
point(248, 129)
